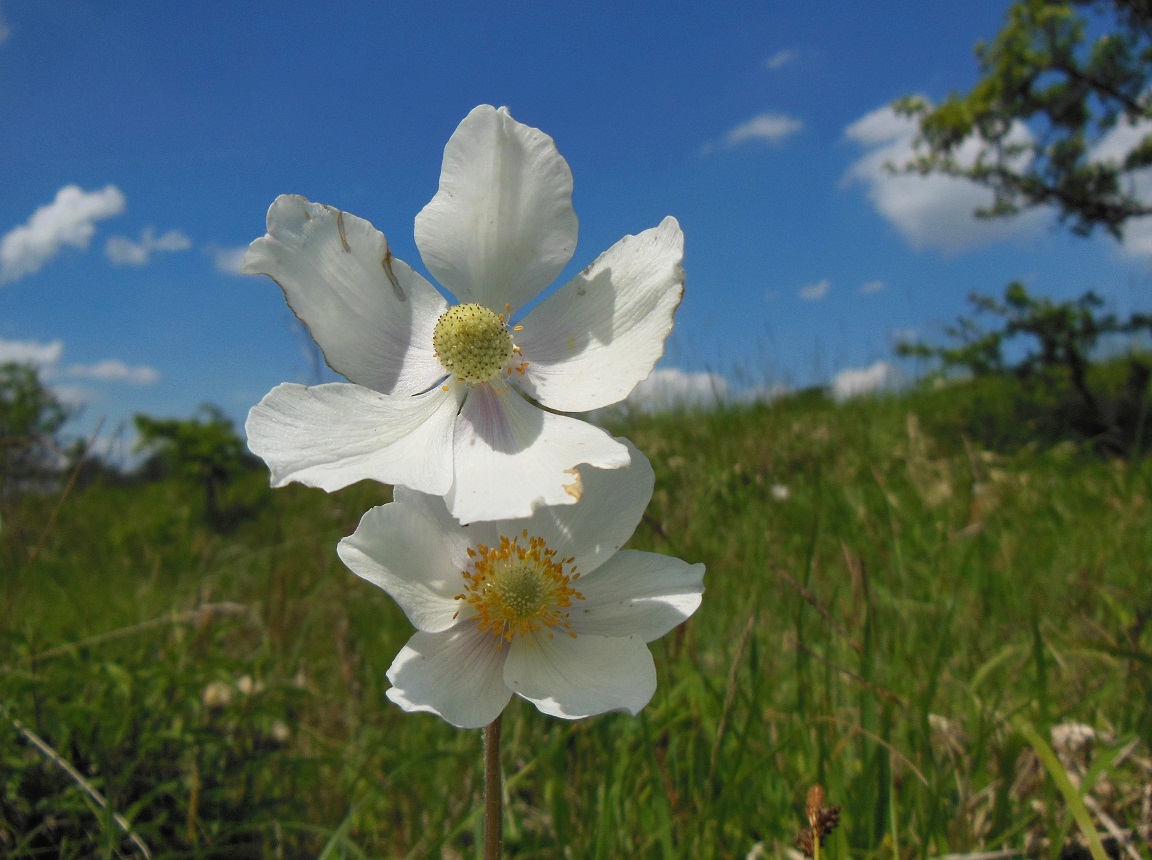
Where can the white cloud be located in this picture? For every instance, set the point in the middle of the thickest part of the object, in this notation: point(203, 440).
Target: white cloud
point(114, 370)
point(124, 252)
point(228, 260)
point(815, 292)
point(772, 127)
point(871, 288)
point(1114, 146)
point(669, 388)
point(781, 59)
point(1138, 237)
point(46, 358)
point(933, 211)
point(74, 395)
point(68, 220)
point(904, 335)
point(864, 380)
point(31, 352)
point(1120, 140)
point(5, 30)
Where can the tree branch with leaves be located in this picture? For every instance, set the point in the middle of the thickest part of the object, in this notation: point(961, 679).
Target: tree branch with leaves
point(1059, 78)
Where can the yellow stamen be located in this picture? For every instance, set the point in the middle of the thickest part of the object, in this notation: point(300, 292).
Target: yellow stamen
point(517, 588)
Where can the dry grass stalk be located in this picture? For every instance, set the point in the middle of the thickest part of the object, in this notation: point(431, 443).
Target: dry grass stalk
point(822, 820)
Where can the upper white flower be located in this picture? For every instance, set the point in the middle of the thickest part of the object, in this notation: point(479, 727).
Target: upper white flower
point(445, 397)
point(547, 607)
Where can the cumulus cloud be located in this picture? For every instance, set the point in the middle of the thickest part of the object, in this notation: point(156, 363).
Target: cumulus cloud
point(670, 388)
point(69, 220)
point(31, 352)
point(815, 292)
point(932, 211)
point(772, 127)
point(769, 127)
point(113, 370)
point(871, 288)
point(904, 335)
point(74, 395)
point(124, 252)
point(228, 260)
point(46, 358)
point(856, 381)
point(781, 59)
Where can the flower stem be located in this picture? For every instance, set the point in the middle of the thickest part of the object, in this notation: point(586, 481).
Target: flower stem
point(493, 793)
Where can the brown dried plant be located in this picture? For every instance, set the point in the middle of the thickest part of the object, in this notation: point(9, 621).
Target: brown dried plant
point(822, 820)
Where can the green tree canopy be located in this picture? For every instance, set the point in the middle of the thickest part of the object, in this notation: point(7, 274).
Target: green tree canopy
point(1063, 110)
point(30, 419)
point(205, 449)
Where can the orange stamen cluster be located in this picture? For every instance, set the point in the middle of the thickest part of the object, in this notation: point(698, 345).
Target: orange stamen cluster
point(518, 589)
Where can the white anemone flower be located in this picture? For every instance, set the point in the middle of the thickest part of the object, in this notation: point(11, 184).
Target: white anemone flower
point(547, 607)
point(446, 398)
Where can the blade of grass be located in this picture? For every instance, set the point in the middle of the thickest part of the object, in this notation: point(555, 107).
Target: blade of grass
point(1071, 796)
point(198, 616)
point(76, 777)
point(338, 841)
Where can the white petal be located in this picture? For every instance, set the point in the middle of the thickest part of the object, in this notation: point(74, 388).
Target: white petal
point(590, 343)
point(330, 436)
point(370, 313)
point(574, 678)
point(415, 551)
point(611, 507)
point(637, 594)
point(501, 226)
point(511, 456)
point(457, 675)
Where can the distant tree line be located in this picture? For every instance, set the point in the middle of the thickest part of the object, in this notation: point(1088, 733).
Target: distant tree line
point(36, 458)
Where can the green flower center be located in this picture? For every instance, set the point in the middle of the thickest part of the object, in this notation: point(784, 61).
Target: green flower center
point(472, 343)
point(519, 588)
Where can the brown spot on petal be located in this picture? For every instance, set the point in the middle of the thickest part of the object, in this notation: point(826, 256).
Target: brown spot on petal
point(576, 488)
point(340, 228)
point(392, 279)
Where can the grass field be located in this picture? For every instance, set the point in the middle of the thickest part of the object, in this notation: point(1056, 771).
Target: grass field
point(892, 611)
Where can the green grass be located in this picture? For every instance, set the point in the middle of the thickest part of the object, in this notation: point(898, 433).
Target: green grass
point(900, 629)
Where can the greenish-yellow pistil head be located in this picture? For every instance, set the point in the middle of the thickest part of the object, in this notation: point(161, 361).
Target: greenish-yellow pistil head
point(472, 343)
point(521, 591)
point(515, 589)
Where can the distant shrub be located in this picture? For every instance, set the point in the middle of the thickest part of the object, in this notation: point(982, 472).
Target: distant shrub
point(30, 420)
point(1059, 389)
point(205, 450)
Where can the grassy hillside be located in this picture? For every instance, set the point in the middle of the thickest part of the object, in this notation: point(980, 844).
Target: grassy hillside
point(891, 611)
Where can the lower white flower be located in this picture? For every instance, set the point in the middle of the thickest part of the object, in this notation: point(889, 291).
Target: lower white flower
point(546, 607)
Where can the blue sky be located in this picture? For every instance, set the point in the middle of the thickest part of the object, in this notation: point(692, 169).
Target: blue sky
point(143, 142)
